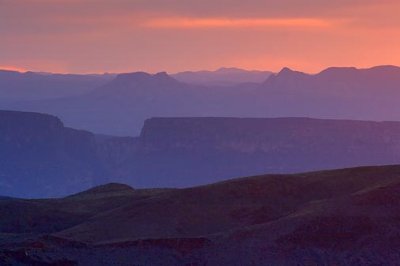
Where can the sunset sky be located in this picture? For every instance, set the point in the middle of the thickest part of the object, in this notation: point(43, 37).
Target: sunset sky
point(95, 36)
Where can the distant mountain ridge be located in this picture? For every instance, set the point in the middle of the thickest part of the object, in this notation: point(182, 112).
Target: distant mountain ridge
point(338, 77)
point(128, 83)
point(19, 86)
point(40, 156)
point(222, 77)
point(120, 106)
point(209, 148)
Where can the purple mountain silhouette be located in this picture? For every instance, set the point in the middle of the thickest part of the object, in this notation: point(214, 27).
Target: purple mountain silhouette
point(121, 106)
point(222, 77)
point(32, 86)
point(40, 156)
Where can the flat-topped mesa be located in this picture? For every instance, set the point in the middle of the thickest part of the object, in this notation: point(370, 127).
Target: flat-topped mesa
point(14, 119)
point(141, 78)
point(266, 134)
point(39, 129)
point(139, 86)
point(39, 154)
point(48, 159)
point(338, 72)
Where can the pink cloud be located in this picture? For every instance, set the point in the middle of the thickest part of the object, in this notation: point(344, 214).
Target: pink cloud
point(179, 23)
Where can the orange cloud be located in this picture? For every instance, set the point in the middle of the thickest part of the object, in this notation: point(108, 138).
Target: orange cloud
point(183, 23)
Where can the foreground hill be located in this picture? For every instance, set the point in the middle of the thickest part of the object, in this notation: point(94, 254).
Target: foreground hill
point(120, 106)
point(341, 217)
point(41, 157)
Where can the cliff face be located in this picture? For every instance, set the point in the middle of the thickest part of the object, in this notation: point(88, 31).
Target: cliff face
point(250, 135)
point(190, 151)
point(39, 156)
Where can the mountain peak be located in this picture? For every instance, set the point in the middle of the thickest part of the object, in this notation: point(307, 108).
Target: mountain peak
point(162, 74)
point(285, 70)
point(285, 75)
point(141, 78)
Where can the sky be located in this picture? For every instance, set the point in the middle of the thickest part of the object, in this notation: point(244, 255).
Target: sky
point(96, 36)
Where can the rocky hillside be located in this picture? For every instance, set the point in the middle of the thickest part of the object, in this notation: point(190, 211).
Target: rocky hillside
point(340, 217)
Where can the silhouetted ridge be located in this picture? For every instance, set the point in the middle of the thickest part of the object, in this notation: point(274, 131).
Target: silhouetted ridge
point(163, 75)
point(133, 75)
point(35, 86)
point(237, 203)
point(12, 120)
point(138, 86)
point(142, 78)
point(224, 76)
point(39, 154)
point(284, 77)
point(338, 73)
point(230, 70)
point(7, 72)
point(341, 217)
point(287, 72)
point(385, 68)
point(106, 190)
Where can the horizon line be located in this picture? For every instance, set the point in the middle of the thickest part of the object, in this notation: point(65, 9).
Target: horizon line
point(24, 71)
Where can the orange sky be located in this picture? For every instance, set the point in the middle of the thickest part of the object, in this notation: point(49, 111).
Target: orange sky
point(87, 36)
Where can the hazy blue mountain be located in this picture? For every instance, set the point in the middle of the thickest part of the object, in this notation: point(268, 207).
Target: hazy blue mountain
point(120, 106)
point(222, 76)
point(350, 93)
point(33, 86)
point(176, 152)
point(39, 156)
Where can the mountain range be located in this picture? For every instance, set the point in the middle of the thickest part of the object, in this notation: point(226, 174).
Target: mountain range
point(224, 76)
point(41, 157)
point(153, 156)
point(340, 217)
point(121, 105)
point(17, 86)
